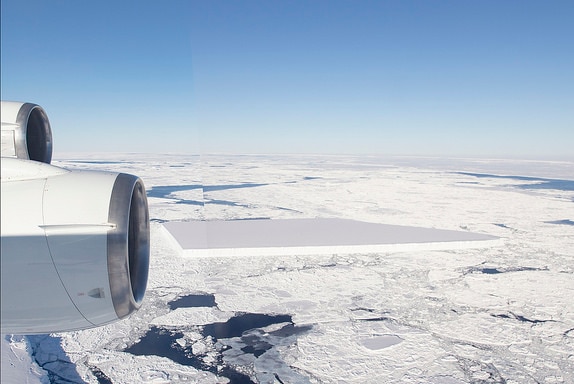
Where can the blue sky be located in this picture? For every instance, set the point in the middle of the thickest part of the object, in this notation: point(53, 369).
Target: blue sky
point(442, 78)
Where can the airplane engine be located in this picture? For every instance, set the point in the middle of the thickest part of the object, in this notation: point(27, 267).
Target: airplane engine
point(26, 132)
point(75, 244)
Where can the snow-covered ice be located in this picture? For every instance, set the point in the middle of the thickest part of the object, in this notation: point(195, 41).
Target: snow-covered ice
point(494, 314)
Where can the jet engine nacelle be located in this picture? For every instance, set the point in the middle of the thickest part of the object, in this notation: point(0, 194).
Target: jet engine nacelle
point(75, 244)
point(26, 132)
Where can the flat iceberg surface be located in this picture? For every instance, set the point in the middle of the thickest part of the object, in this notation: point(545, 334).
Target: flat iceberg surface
point(310, 236)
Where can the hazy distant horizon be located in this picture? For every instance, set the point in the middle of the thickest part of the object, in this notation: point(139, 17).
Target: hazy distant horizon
point(547, 158)
point(540, 168)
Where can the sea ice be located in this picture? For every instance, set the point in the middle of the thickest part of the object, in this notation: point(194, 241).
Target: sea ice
point(339, 312)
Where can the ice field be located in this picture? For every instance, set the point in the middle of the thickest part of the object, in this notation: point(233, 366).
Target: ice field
point(497, 313)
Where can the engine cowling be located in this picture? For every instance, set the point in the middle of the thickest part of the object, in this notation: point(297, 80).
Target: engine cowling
point(26, 132)
point(75, 246)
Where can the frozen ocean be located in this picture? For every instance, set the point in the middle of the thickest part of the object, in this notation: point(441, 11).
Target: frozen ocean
point(497, 312)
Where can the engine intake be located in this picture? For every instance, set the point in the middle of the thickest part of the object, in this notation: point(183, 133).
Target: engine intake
point(128, 244)
point(26, 132)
